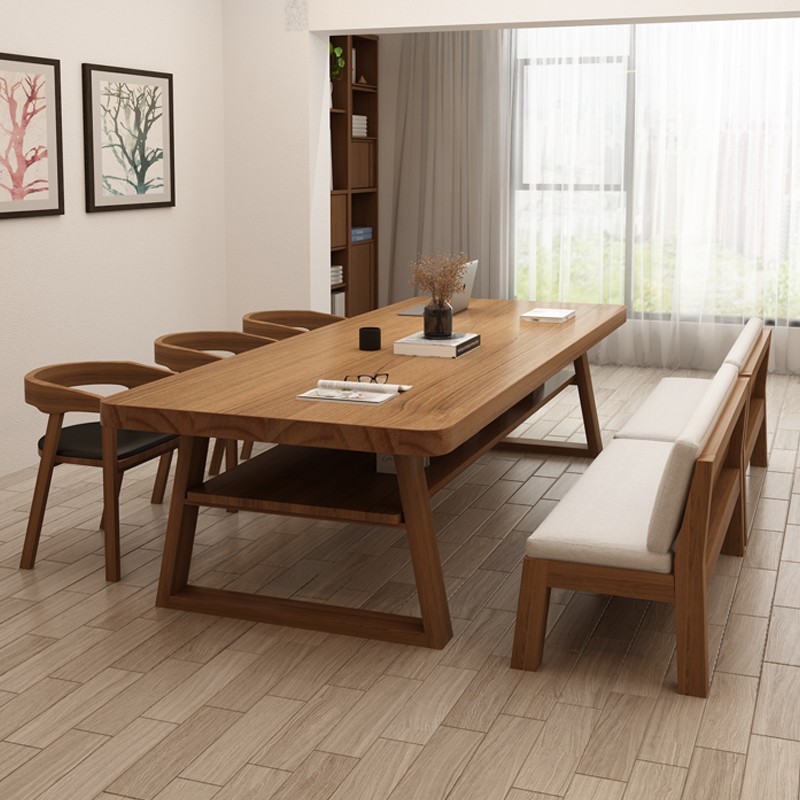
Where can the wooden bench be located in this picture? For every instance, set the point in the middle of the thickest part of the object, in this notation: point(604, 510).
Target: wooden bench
point(648, 519)
point(669, 406)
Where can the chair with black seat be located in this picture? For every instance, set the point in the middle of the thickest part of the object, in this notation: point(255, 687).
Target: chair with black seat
point(282, 324)
point(52, 389)
point(190, 349)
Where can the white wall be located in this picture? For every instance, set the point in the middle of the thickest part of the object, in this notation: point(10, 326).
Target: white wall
point(91, 286)
point(277, 161)
point(348, 16)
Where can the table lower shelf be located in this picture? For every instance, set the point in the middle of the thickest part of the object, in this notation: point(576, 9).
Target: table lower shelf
point(306, 482)
point(338, 484)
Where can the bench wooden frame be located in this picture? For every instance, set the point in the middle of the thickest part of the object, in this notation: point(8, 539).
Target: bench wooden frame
point(713, 522)
point(755, 370)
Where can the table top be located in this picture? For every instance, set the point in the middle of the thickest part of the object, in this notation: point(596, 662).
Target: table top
point(254, 395)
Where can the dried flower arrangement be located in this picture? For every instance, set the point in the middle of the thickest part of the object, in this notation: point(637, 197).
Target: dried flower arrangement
point(440, 275)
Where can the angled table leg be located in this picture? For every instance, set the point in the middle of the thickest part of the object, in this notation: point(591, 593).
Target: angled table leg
point(179, 539)
point(591, 424)
point(424, 550)
point(582, 380)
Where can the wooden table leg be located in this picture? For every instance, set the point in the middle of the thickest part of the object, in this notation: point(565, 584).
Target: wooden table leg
point(111, 480)
point(591, 424)
point(424, 550)
point(179, 539)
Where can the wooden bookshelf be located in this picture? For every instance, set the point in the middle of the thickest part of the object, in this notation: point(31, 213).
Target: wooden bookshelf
point(354, 162)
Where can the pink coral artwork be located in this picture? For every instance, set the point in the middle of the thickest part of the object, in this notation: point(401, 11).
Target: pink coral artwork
point(30, 137)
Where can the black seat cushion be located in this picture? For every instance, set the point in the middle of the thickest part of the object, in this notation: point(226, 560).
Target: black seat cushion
point(85, 441)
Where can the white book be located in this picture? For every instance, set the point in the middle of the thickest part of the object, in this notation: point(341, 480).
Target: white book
point(548, 314)
point(418, 345)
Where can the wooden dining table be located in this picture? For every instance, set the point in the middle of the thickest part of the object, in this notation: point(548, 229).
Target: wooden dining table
point(323, 462)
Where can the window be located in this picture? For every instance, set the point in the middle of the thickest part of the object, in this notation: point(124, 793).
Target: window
point(659, 166)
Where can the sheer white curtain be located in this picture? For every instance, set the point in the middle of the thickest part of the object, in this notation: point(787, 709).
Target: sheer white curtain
point(675, 182)
point(453, 150)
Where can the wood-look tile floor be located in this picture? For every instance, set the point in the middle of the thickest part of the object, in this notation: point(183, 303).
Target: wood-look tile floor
point(102, 695)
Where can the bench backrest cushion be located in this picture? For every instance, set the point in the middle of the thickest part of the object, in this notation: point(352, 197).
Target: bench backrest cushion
point(667, 409)
point(745, 342)
point(674, 486)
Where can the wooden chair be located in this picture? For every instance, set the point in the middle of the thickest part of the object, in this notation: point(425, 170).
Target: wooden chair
point(52, 390)
point(283, 324)
point(183, 351)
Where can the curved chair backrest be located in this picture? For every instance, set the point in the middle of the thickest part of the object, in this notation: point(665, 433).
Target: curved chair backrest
point(260, 322)
point(272, 330)
point(184, 351)
point(51, 388)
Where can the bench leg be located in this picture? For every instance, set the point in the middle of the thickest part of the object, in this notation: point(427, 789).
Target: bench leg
point(691, 629)
point(532, 608)
point(736, 535)
point(759, 455)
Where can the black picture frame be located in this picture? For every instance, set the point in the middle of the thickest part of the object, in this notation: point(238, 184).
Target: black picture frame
point(129, 141)
point(31, 153)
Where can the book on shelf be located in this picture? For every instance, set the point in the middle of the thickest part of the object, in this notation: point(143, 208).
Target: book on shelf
point(418, 345)
point(353, 392)
point(360, 234)
point(338, 303)
point(548, 314)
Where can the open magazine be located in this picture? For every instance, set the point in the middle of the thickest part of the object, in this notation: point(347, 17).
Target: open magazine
point(354, 391)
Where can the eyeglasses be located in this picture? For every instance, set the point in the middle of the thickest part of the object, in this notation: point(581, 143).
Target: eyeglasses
point(378, 377)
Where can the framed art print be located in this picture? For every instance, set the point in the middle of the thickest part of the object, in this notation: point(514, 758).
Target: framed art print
point(128, 138)
point(31, 170)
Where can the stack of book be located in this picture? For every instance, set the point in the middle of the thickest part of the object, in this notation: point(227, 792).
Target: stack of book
point(361, 234)
point(359, 126)
point(337, 274)
point(418, 345)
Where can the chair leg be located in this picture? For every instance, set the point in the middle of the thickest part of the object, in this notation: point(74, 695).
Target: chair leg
point(112, 482)
point(247, 449)
point(231, 459)
point(231, 453)
point(531, 627)
point(160, 485)
point(47, 464)
point(216, 457)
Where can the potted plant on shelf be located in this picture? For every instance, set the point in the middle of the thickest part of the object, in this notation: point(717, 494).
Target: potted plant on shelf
point(441, 276)
point(337, 61)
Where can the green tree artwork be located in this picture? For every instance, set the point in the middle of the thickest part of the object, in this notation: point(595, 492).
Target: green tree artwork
point(132, 138)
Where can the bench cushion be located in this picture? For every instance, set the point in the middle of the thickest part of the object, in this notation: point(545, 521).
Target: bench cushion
point(667, 409)
point(674, 487)
point(744, 344)
point(603, 518)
